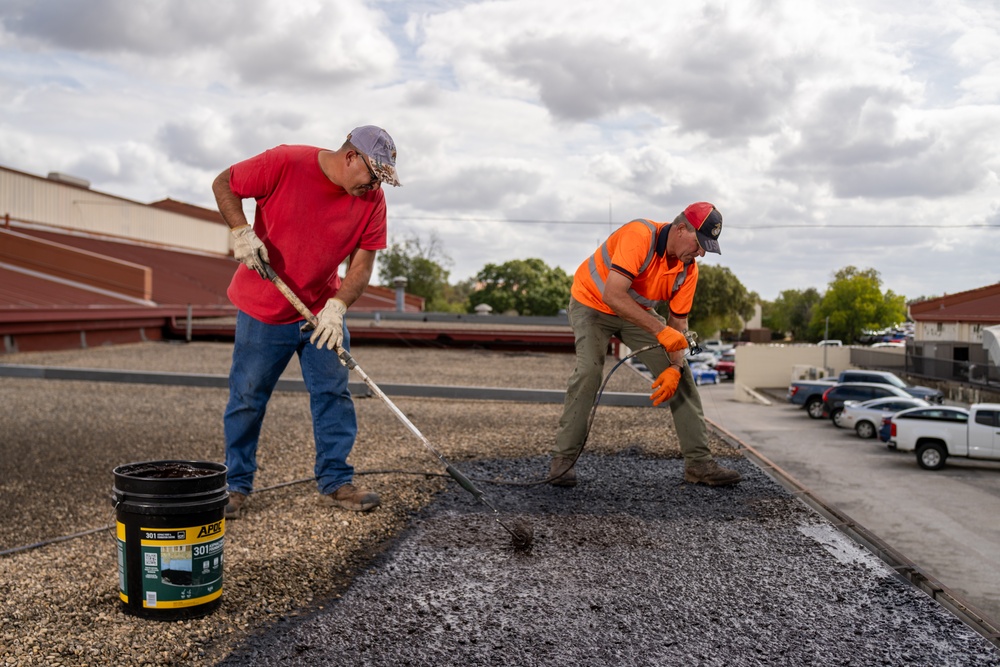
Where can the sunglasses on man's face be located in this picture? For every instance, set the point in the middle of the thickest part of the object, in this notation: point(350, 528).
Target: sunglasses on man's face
point(375, 179)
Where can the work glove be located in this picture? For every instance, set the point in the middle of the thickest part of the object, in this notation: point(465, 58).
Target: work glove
point(665, 386)
point(330, 325)
point(250, 250)
point(671, 339)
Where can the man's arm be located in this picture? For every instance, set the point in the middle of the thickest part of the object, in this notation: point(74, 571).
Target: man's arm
point(617, 298)
point(329, 331)
point(681, 324)
point(230, 206)
point(359, 273)
point(248, 249)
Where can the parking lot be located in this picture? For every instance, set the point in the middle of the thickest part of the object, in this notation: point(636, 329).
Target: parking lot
point(944, 521)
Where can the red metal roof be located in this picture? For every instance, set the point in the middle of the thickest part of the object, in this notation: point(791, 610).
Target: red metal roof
point(179, 277)
point(980, 306)
point(19, 290)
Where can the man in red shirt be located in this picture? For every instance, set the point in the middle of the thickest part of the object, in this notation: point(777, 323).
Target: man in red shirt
point(642, 264)
point(315, 208)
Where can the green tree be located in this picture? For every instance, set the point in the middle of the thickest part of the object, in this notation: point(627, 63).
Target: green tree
point(527, 286)
point(721, 302)
point(791, 312)
point(422, 263)
point(854, 302)
point(456, 297)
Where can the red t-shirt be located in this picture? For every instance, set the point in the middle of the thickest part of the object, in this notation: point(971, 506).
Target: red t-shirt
point(309, 226)
point(628, 247)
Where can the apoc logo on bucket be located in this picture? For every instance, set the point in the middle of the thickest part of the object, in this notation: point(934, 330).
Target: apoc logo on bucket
point(211, 529)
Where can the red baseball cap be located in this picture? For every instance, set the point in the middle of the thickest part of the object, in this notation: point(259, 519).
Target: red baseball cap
point(707, 221)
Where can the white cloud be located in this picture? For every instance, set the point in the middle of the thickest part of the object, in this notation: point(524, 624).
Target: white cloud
point(807, 113)
point(252, 42)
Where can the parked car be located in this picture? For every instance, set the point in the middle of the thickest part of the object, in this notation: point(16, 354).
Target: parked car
point(885, 432)
point(702, 374)
point(809, 394)
point(703, 357)
point(834, 397)
point(716, 345)
point(831, 343)
point(937, 432)
point(885, 377)
point(865, 417)
point(726, 365)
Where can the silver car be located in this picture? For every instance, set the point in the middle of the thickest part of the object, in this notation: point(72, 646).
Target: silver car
point(866, 417)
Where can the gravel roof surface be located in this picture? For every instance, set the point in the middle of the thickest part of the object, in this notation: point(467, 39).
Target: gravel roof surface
point(633, 567)
point(292, 558)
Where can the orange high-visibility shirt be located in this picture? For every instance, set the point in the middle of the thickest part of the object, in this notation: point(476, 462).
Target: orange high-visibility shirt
point(637, 250)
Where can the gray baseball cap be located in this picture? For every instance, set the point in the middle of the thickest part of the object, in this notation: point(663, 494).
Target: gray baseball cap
point(381, 151)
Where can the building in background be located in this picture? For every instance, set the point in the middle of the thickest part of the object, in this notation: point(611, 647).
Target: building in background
point(80, 268)
point(948, 334)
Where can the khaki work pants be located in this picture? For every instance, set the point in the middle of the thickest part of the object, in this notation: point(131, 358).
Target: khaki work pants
point(593, 331)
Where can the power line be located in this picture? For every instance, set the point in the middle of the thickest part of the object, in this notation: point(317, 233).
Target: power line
point(605, 222)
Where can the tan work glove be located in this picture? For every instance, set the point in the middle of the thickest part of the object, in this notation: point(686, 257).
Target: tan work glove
point(330, 325)
point(671, 339)
point(665, 386)
point(250, 250)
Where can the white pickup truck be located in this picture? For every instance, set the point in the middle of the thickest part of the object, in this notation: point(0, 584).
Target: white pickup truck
point(937, 432)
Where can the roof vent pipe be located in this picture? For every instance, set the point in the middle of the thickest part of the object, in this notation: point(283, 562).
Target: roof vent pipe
point(399, 282)
point(69, 180)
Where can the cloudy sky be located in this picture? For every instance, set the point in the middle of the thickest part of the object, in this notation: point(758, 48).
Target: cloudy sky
point(857, 132)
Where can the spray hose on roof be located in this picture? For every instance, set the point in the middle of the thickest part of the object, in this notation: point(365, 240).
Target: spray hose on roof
point(586, 434)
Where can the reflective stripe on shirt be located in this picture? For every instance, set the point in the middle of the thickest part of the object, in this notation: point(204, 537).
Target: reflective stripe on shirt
point(599, 281)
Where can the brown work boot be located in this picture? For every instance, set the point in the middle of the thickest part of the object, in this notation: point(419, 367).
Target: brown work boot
point(234, 508)
point(350, 497)
point(562, 471)
point(711, 473)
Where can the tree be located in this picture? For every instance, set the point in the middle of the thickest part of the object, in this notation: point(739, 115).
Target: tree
point(854, 302)
point(422, 264)
point(721, 302)
point(527, 286)
point(791, 312)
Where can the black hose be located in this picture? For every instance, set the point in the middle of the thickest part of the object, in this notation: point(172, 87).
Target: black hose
point(586, 435)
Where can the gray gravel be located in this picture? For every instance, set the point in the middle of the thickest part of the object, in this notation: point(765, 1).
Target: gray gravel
point(62, 439)
point(292, 559)
point(630, 568)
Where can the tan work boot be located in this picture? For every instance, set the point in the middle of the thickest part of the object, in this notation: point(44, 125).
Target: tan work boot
point(350, 497)
point(711, 473)
point(234, 508)
point(562, 471)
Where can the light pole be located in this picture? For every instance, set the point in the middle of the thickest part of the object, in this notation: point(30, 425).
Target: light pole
point(826, 337)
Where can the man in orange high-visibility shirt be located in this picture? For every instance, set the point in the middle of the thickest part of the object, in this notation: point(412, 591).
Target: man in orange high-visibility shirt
point(614, 292)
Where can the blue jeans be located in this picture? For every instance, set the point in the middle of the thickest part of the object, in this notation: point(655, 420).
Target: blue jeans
point(260, 354)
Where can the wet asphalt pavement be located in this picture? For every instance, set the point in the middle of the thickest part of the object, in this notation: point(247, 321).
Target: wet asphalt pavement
point(631, 567)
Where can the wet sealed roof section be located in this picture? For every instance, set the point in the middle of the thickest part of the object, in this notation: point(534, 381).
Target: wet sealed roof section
point(632, 567)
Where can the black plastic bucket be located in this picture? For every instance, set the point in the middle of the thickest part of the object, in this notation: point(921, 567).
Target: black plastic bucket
point(171, 525)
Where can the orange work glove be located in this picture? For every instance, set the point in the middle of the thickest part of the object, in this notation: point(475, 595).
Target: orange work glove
point(671, 339)
point(665, 385)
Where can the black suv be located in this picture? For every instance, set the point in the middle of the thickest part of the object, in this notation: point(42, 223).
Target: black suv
point(834, 397)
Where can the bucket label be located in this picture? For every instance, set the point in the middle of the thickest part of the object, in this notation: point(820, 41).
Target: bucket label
point(181, 567)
